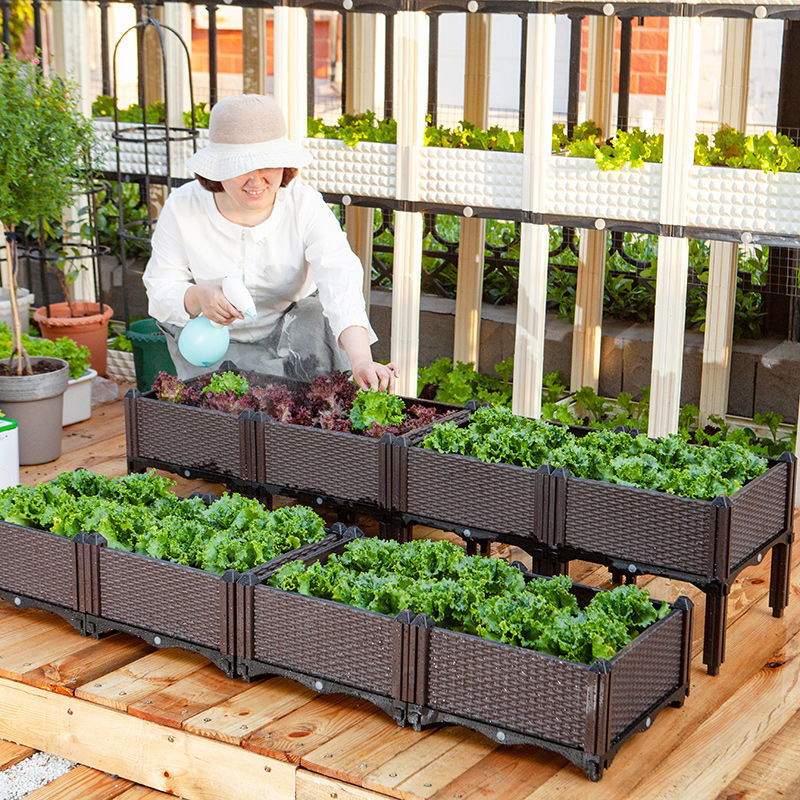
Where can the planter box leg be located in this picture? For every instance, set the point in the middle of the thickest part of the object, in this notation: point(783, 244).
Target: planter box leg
point(548, 566)
point(395, 528)
point(714, 632)
point(779, 578)
point(620, 576)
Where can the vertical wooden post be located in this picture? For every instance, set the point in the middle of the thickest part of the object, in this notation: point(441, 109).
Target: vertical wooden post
point(587, 329)
point(411, 53)
point(254, 50)
point(291, 88)
point(469, 286)
point(69, 46)
point(724, 256)
point(683, 66)
point(535, 244)
point(366, 35)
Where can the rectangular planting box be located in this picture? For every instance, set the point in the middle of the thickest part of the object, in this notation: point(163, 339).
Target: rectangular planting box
point(421, 674)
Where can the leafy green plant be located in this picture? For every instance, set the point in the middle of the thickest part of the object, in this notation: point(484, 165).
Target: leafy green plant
point(139, 513)
point(77, 356)
point(355, 128)
point(20, 19)
point(486, 597)
point(668, 465)
point(121, 342)
point(45, 145)
point(227, 382)
point(376, 407)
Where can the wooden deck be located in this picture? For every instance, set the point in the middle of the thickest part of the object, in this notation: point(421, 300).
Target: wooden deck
point(169, 720)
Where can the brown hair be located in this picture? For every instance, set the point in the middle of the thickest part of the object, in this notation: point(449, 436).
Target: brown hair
point(289, 174)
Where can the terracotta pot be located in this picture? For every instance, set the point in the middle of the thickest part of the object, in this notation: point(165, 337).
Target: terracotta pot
point(91, 330)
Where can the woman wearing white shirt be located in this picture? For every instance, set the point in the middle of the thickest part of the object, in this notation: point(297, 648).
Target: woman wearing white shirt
point(248, 216)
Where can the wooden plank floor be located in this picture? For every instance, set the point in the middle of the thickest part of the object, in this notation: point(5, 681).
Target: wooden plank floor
point(171, 721)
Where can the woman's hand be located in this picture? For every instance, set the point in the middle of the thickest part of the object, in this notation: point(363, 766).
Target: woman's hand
point(372, 375)
point(210, 301)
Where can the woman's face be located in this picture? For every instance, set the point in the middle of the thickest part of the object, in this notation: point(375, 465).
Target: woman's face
point(252, 194)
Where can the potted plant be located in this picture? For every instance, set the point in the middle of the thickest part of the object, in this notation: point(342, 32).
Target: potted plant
point(120, 363)
point(44, 146)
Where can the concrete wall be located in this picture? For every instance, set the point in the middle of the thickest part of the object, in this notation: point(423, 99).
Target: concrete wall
point(765, 373)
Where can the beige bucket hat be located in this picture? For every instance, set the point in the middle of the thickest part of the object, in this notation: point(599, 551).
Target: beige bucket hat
point(246, 132)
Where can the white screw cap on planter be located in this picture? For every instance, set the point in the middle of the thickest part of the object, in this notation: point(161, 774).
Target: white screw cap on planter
point(346, 199)
point(472, 6)
point(608, 9)
point(747, 237)
point(600, 224)
point(468, 212)
point(761, 12)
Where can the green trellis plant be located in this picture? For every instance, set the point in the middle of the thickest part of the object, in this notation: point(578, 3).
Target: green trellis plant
point(45, 144)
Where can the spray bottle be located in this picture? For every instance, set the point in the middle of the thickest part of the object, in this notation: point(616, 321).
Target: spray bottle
point(203, 342)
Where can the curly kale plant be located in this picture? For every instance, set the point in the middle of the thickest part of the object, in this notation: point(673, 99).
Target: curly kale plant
point(668, 465)
point(373, 407)
point(140, 513)
point(482, 596)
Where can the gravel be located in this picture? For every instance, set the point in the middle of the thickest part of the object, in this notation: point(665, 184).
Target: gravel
point(35, 771)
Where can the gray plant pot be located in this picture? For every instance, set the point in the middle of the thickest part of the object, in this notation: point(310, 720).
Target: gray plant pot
point(36, 403)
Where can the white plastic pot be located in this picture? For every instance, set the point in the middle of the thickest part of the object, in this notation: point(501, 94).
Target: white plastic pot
point(9, 453)
point(78, 398)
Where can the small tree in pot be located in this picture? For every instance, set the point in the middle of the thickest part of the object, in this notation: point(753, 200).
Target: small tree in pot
point(45, 143)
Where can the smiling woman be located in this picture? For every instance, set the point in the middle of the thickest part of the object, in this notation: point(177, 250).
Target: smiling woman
point(248, 216)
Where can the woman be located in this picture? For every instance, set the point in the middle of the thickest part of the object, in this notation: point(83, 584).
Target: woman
point(247, 215)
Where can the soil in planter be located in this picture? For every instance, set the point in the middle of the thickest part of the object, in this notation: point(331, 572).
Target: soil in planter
point(39, 368)
point(330, 402)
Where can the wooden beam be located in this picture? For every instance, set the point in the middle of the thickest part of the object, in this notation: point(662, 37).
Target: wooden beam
point(673, 254)
point(469, 286)
point(290, 86)
point(366, 60)
point(411, 32)
point(535, 240)
point(170, 760)
point(254, 50)
point(587, 328)
point(723, 261)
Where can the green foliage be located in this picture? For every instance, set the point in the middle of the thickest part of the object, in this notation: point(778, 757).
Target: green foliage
point(154, 113)
point(77, 356)
point(671, 465)
point(139, 513)
point(770, 151)
point(481, 596)
point(121, 342)
point(44, 144)
point(227, 382)
point(466, 135)
point(376, 407)
point(463, 382)
point(109, 200)
point(355, 128)
point(21, 17)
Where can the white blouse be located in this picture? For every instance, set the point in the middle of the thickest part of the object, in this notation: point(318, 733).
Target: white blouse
point(298, 249)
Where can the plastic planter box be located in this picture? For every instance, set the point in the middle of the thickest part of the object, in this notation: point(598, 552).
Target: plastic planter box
point(704, 542)
point(368, 169)
point(347, 468)
point(120, 365)
point(421, 674)
point(193, 442)
point(556, 516)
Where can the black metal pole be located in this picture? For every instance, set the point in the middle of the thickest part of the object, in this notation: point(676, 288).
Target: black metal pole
point(105, 57)
point(343, 19)
point(310, 64)
point(37, 25)
point(623, 106)
point(523, 62)
point(574, 72)
point(5, 14)
point(388, 79)
point(433, 67)
point(212, 54)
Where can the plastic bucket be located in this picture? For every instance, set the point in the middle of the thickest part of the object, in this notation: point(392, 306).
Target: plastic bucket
point(150, 353)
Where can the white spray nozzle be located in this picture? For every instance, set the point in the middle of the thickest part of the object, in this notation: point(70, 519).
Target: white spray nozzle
point(236, 293)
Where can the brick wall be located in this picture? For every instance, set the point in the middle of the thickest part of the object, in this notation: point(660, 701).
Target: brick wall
point(648, 55)
point(229, 50)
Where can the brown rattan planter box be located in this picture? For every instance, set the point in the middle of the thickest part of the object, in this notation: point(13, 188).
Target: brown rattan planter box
point(471, 497)
point(40, 569)
point(343, 467)
point(421, 674)
point(193, 442)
